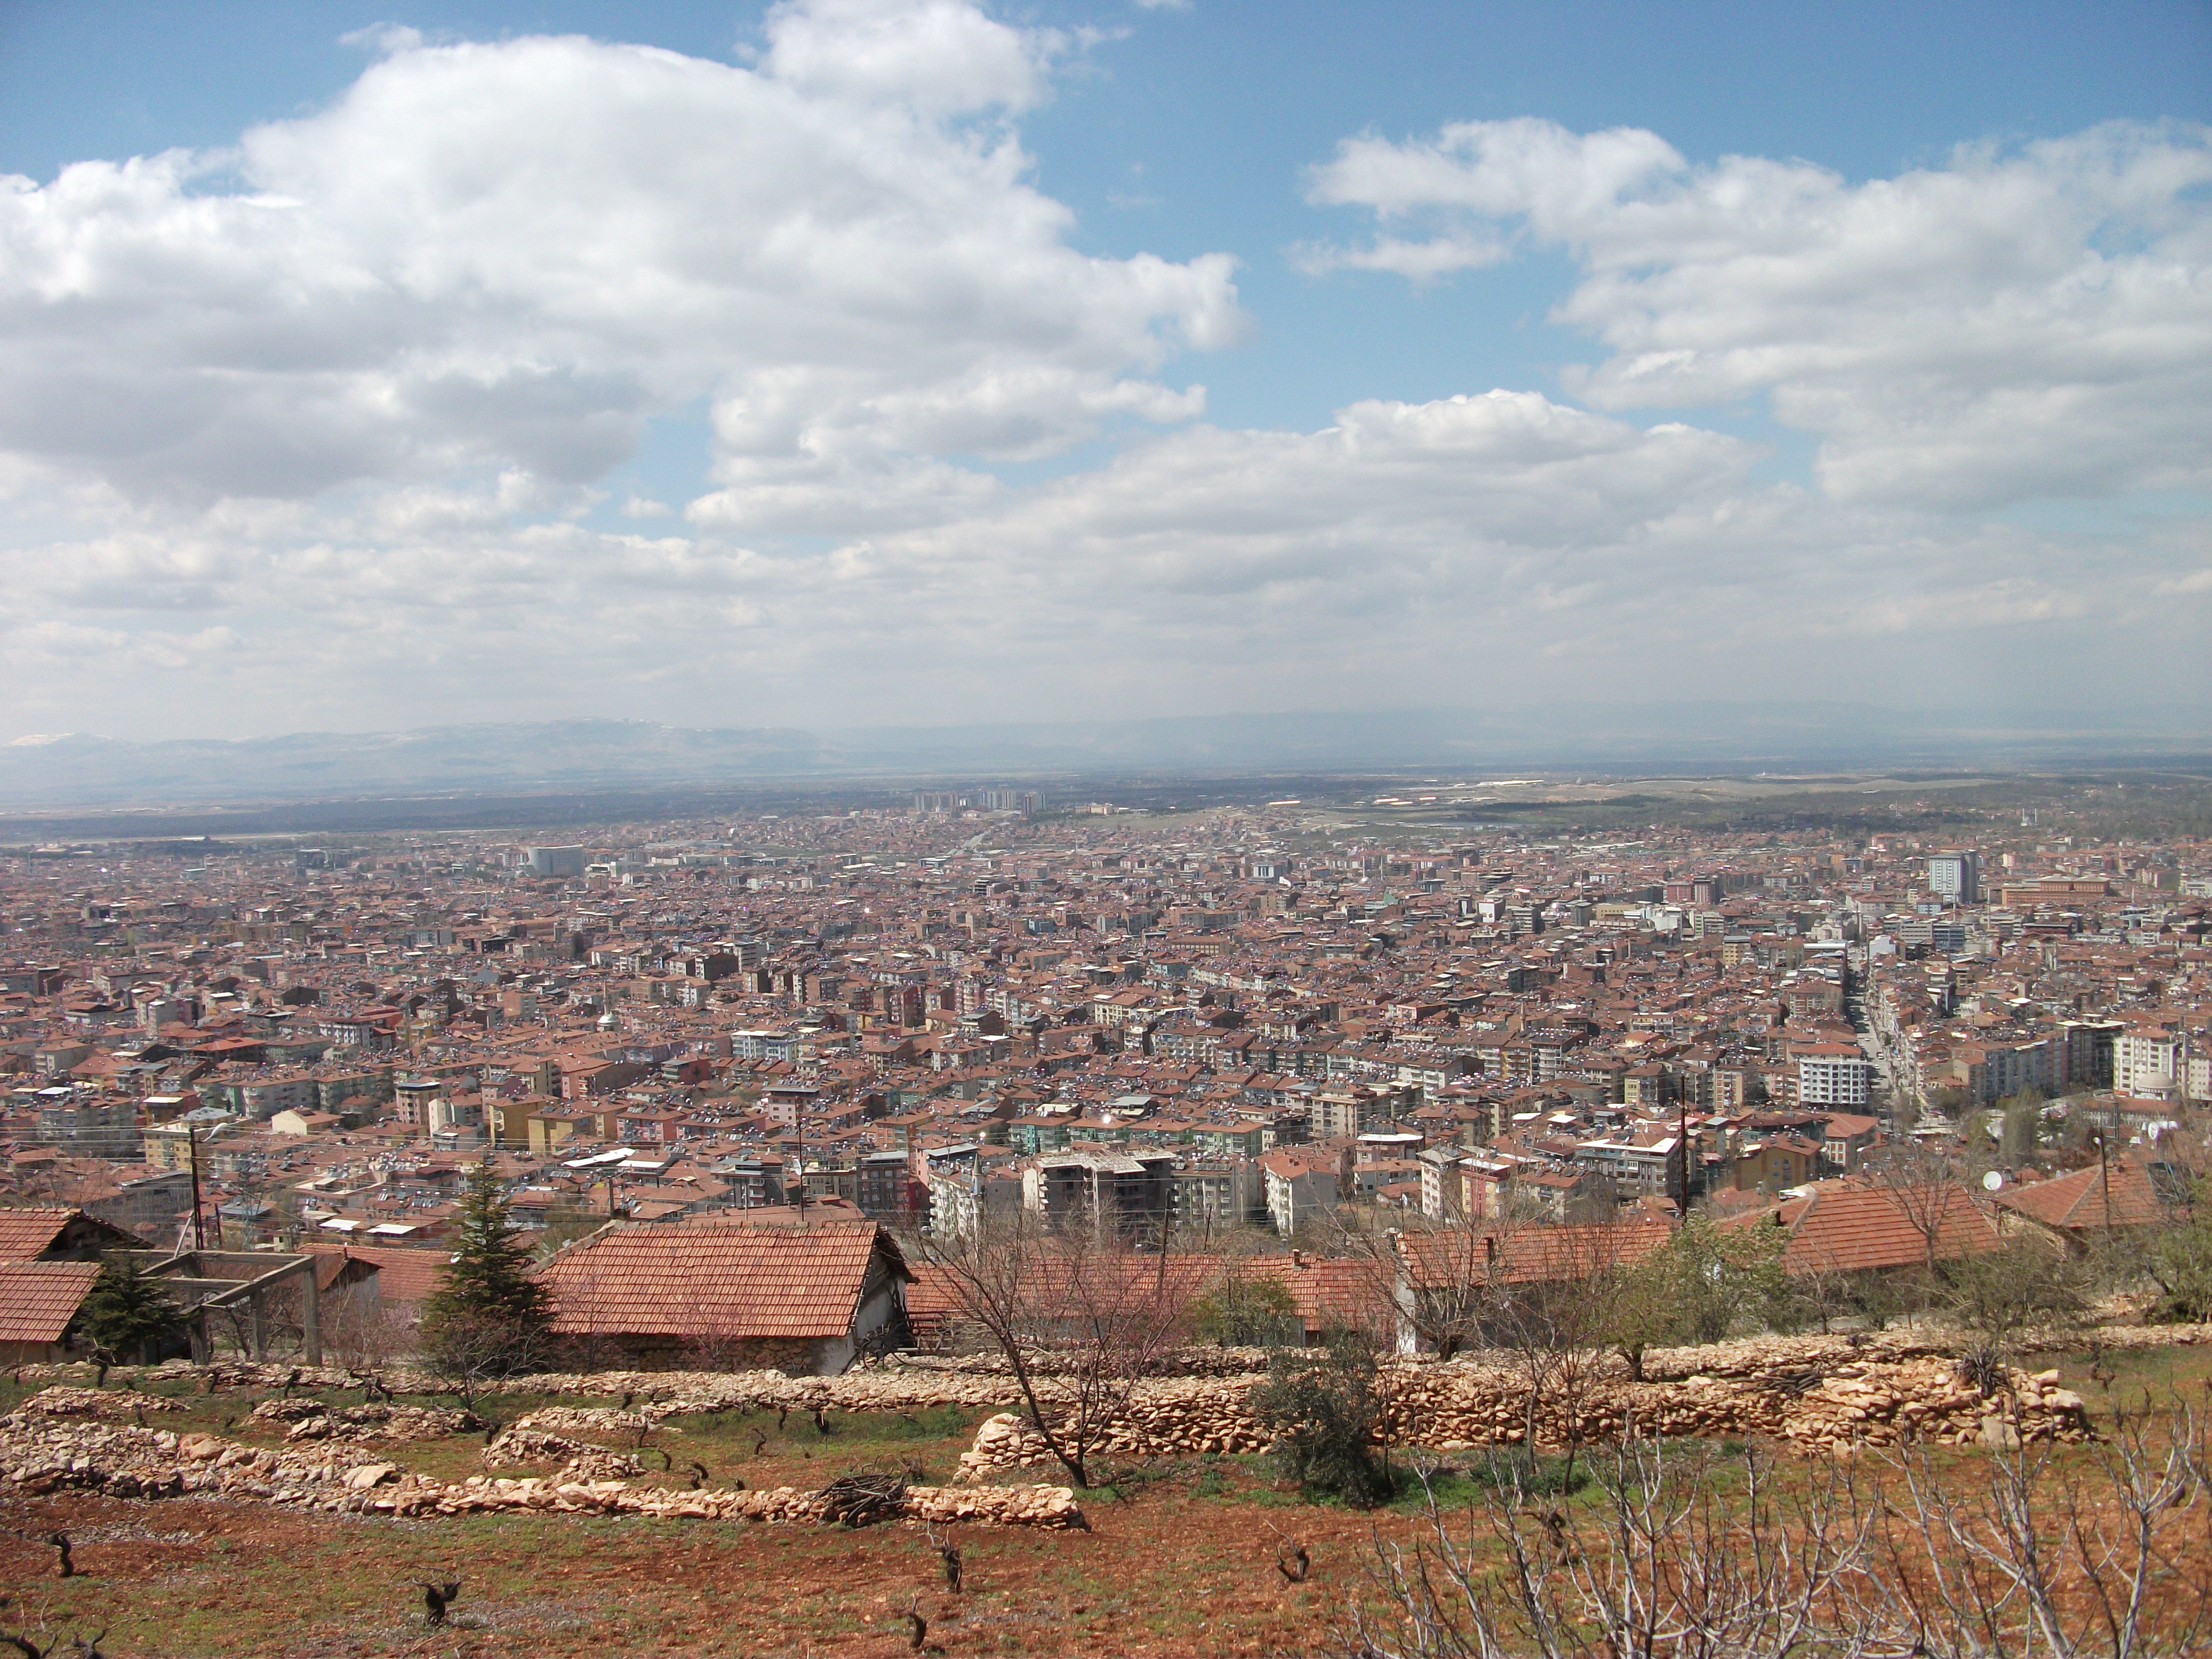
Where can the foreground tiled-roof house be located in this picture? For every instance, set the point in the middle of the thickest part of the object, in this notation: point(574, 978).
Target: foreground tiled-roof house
point(1852, 1227)
point(734, 1295)
point(2089, 1204)
point(48, 1260)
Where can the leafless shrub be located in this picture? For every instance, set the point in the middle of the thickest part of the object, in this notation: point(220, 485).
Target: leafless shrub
point(363, 1333)
point(1664, 1561)
point(2029, 1552)
point(719, 1344)
point(2014, 1556)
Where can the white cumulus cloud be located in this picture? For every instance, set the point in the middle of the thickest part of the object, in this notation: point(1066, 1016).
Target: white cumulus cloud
point(2027, 321)
point(323, 429)
point(515, 253)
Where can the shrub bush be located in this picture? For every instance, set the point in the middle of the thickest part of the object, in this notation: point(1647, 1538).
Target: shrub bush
point(1323, 1406)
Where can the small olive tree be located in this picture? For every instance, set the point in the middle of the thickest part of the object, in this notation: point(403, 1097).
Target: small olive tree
point(2179, 1260)
point(1244, 1310)
point(1324, 1404)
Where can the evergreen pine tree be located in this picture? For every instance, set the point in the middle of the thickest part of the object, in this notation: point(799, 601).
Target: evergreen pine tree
point(489, 1316)
point(123, 1312)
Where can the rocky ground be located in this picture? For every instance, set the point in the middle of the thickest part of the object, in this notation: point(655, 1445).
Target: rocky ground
point(688, 1512)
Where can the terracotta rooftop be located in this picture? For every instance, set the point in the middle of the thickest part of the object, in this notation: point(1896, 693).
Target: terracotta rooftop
point(1330, 1293)
point(731, 1278)
point(1849, 1227)
point(26, 1234)
point(37, 1299)
point(2077, 1201)
point(1530, 1255)
point(402, 1275)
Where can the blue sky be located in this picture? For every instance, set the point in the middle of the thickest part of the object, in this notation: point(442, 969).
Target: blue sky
point(1803, 457)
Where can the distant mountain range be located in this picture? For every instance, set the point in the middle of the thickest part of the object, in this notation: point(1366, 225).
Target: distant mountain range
point(74, 770)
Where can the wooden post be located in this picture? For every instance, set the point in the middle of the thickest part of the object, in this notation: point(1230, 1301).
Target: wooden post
point(311, 1313)
point(199, 1229)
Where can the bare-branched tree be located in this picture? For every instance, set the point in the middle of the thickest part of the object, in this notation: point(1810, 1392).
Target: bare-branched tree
point(1079, 1319)
point(1920, 1182)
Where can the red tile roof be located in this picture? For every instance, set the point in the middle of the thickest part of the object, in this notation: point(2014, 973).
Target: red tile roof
point(1332, 1293)
point(2077, 1201)
point(25, 1234)
point(1533, 1254)
point(727, 1278)
point(37, 1299)
point(932, 1298)
point(1849, 1226)
point(402, 1275)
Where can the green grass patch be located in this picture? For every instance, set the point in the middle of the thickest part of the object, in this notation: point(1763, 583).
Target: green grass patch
point(1510, 1470)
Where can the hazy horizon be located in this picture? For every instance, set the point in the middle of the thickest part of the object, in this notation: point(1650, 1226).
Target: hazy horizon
point(507, 760)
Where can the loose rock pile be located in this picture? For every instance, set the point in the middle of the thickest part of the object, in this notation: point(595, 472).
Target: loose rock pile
point(1003, 1441)
point(311, 1420)
point(600, 1463)
point(40, 1455)
point(524, 1444)
point(100, 1405)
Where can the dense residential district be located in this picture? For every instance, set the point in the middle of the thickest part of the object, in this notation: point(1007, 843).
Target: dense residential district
point(1244, 1028)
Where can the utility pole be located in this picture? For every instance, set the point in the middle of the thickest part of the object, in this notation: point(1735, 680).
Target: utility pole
point(199, 1227)
point(798, 1127)
point(2104, 1167)
point(1682, 1147)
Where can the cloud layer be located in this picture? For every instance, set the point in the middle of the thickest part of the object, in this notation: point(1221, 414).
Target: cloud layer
point(515, 253)
point(314, 431)
point(2024, 323)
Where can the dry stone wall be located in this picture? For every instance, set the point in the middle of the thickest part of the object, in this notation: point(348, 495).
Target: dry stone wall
point(1814, 1392)
point(1859, 1403)
point(40, 1455)
point(98, 1405)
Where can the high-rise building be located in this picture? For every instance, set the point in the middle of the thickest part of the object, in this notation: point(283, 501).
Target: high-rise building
point(555, 861)
point(1835, 1075)
point(1956, 877)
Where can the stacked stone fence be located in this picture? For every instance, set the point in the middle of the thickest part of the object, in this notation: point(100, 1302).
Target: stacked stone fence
point(40, 1455)
point(1457, 1406)
point(1810, 1391)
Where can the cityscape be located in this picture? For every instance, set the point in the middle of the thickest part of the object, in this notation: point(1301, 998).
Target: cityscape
point(911, 1013)
point(1152, 828)
point(1261, 1045)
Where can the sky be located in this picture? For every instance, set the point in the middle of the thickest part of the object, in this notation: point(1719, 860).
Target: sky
point(842, 362)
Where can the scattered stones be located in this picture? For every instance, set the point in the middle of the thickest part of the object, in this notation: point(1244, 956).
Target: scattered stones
point(524, 1444)
point(601, 1463)
point(312, 1419)
point(100, 1405)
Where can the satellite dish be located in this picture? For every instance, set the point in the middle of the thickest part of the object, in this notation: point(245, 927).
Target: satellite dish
point(1992, 1180)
